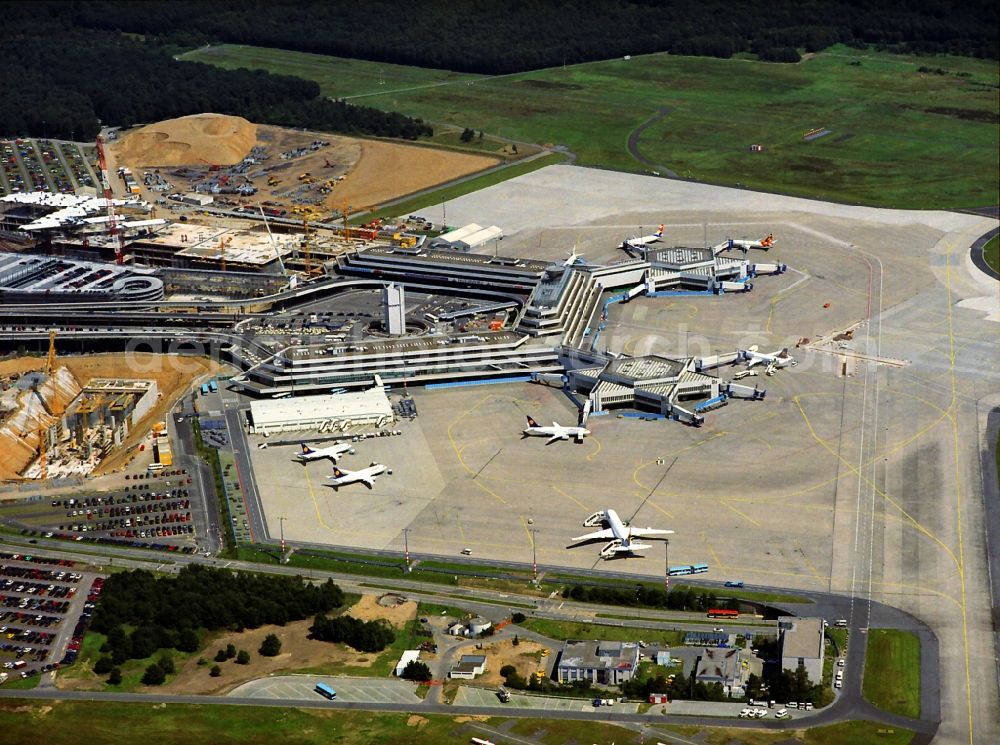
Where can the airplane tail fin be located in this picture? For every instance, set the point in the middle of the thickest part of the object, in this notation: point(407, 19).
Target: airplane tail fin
point(337, 473)
point(532, 422)
point(659, 233)
point(306, 450)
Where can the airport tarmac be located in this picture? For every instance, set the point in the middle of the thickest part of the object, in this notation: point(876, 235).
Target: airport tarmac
point(866, 483)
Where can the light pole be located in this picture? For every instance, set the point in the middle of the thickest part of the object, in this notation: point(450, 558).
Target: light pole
point(534, 556)
point(406, 548)
point(666, 568)
point(281, 523)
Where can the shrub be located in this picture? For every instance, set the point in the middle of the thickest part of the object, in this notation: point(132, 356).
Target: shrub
point(221, 656)
point(103, 665)
point(115, 677)
point(271, 646)
point(216, 671)
point(243, 658)
point(154, 675)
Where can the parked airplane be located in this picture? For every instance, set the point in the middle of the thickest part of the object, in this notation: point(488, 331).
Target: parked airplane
point(620, 533)
point(644, 240)
point(365, 475)
point(333, 453)
point(777, 359)
point(764, 243)
point(555, 432)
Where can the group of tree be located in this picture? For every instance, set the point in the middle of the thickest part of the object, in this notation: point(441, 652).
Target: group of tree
point(513, 679)
point(681, 598)
point(489, 37)
point(416, 670)
point(364, 636)
point(141, 613)
point(61, 80)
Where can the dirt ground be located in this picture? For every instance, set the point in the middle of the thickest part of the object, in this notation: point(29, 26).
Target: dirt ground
point(388, 170)
point(501, 653)
point(195, 139)
point(345, 171)
point(368, 609)
point(172, 374)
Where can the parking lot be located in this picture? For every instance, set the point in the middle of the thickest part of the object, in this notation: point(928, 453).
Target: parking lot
point(45, 606)
point(151, 511)
point(44, 165)
point(352, 690)
point(473, 696)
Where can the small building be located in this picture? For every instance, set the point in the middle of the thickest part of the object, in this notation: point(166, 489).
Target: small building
point(663, 658)
point(470, 627)
point(801, 643)
point(469, 666)
point(600, 662)
point(468, 237)
point(199, 200)
point(728, 666)
point(409, 655)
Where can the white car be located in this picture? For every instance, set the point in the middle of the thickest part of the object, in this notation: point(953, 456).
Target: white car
point(841, 662)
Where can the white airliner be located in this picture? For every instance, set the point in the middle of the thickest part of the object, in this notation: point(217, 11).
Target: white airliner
point(764, 243)
point(333, 453)
point(621, 535)
point(365, 475)
point(644, 240)
point(777, 359)
point(555, 432)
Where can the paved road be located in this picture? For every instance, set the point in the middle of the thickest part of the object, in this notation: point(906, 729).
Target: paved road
point(633, 143)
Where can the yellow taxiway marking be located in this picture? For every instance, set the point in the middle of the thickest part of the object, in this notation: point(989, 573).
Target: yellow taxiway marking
point(591, 456)
point(741, 514)
point(582, 506)
point(312, 496)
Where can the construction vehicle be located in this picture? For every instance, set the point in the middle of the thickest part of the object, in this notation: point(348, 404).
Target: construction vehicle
point(304, 176)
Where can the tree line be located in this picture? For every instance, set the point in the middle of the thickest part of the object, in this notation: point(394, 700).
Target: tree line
point(140, 613)
point(681, 598)
point(64, 82)
point(488, 37)
point(364, 636)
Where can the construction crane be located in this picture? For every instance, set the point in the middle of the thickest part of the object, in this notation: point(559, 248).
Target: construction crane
point(109, 200)
point(307, 215)
point(50, 362)
point(223, 242)
point(345, 211)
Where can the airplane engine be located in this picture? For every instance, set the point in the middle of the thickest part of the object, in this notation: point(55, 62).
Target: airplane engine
point(594, 520)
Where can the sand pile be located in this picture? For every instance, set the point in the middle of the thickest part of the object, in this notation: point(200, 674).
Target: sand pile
point(189, 141)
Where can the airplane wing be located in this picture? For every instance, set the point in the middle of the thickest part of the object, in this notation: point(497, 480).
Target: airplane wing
point(643, 532)
point(560, 436)
point(368, 481)
point(596, 536)
point(753, 361)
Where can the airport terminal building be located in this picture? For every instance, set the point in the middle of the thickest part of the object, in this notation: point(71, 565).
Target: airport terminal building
point(331, 413)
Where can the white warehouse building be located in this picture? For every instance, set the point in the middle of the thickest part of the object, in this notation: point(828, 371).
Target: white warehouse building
point(330, 413)
point(468, 237)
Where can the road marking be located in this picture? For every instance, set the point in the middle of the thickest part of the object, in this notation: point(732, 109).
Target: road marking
point(741, 514)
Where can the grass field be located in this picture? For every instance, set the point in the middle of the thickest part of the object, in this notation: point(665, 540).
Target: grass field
point(70, 722)
point(892, 672)
point(899, 136)
point(991, 253)
point(562, 630)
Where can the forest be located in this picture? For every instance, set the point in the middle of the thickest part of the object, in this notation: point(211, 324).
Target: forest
point(63, 82)
point(141, 613)
point(488, 37)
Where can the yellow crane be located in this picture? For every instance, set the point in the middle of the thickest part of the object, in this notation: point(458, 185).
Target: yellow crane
point(50, 362)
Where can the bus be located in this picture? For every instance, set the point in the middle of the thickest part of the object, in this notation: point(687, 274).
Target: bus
point(687, 569)
point(723, 613)
point(213, 386)
point(324, 690)
point(204, 389)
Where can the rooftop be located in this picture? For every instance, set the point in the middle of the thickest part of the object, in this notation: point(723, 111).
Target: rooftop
point(801, 637)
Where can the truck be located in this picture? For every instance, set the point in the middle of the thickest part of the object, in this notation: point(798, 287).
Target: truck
point(503, 694)
point(734, 583)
